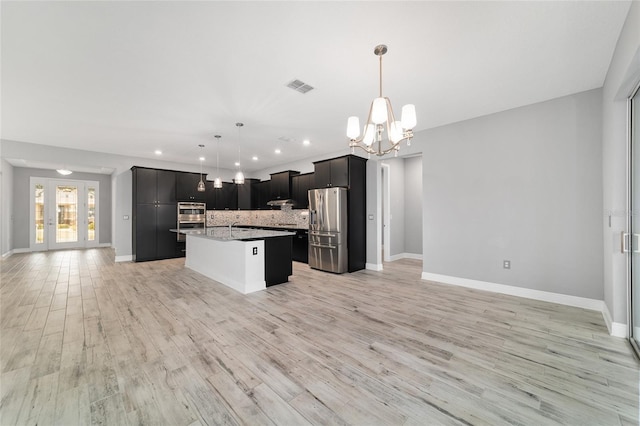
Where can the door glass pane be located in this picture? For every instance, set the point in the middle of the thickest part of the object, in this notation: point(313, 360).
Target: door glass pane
point(66, 214)
point(39, 213)
point(91, 214)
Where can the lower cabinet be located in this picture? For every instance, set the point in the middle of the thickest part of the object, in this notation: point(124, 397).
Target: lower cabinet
point(153, 240)
point(301, 246)
point(277, 260)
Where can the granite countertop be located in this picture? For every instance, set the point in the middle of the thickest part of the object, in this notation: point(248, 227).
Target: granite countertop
point(221, 233)
point(276, 226)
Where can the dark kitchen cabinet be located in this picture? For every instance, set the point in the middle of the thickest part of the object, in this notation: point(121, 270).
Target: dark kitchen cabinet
point(264, 195)
point(281, 184)
point(300, 186)
point(277, 260)
point(187, 187)
point(334, 172)
point(154, 213)
point(248, 194)
point(225, 198)
point(301, 246)
point(349, 171)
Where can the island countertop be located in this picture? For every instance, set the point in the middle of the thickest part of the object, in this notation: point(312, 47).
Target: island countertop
point(222, 233)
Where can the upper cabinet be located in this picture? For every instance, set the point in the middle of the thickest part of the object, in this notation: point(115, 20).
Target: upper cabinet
point(153, 186)
point(263, 190)
point(225, 198)
point(300, 186)
point(248, 194)
point(281, 184)
point(333, 172)
point(187, 187)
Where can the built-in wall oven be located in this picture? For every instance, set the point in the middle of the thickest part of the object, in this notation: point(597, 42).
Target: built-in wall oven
point(191, 216)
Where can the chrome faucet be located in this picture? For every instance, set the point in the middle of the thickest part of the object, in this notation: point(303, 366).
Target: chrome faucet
point(231, 226)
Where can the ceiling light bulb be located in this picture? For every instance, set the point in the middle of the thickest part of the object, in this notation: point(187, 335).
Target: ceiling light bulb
point(409, 116)
point(201, 158)
point(353, 128)
point(237, 163)
point(158, 152)
point(254, 158)
point(278, 151)
point(306, 142)
point(239, 179)
point(379, 111)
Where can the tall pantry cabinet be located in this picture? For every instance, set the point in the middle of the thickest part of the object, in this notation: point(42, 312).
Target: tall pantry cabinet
point(154, 213)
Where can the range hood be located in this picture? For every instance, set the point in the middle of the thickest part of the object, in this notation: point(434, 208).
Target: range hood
point(285, 202)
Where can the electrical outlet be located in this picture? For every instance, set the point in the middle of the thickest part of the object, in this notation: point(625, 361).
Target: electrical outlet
point(255, 251)
point(506, 264)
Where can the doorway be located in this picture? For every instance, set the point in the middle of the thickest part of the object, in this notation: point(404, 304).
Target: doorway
point(631, 241)
point(63, 214)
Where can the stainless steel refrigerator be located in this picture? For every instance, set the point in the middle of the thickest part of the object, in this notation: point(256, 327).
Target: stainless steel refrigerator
point(328, 249)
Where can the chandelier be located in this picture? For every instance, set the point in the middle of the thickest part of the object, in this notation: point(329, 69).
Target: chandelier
point(380, 120)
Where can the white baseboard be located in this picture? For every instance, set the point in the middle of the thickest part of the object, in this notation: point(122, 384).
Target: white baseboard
point(373, 266)
point(21, 250)
point(101, 245)
point(7, 254)
point(616, 329)
point(125, 258)
point(405, 256)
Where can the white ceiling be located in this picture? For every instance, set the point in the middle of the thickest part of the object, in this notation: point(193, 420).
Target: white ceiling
point(132, 77)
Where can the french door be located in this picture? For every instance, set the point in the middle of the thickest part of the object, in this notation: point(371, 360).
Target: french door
point(631, 241)
point(64, 214)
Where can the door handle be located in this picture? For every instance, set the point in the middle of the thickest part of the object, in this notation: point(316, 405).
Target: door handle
point(625, 242)
point(630, 242)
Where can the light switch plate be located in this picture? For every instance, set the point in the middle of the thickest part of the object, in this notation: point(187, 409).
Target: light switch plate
point(125, 217)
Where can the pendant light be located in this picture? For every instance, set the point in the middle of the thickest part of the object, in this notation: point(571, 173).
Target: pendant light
point(217, 183)
point(201, 187)
point(239, 179)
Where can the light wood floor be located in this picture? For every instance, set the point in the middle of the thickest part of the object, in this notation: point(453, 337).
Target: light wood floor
point(88, 341)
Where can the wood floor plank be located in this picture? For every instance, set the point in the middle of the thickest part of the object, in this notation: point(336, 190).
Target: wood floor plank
point(85, 340)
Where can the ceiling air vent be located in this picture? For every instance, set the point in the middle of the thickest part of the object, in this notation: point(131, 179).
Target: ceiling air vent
point(300, 86)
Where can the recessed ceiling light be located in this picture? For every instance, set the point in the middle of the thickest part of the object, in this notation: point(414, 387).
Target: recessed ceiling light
point(306, 142)
point(237, 163)
point(278, 151)
point(254, 158)
point(158, 152)
point(64, 172)
point(201, 158)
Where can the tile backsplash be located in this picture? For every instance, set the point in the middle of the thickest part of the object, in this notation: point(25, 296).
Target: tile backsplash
point(298, 218)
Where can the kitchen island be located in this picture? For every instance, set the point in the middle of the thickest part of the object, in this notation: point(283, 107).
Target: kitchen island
point(247, 260)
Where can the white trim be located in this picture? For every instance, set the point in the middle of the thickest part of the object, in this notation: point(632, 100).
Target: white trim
point(21, 250)
point(7, 254)
point(615, 329)
point(373, 266)
point(101, 245)
point(406, 256)
point(125, 258)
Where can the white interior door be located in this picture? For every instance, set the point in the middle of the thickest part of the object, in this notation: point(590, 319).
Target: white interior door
point(63, 214)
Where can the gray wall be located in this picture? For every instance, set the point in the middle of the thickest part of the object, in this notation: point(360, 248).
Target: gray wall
point(622, 76)
point(21, 202)
point(523, 185)
point(6, 207)
point(413, 205)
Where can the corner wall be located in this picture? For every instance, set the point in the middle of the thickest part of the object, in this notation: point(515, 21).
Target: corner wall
point(523, 185)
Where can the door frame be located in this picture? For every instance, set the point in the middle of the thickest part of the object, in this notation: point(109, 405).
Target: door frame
point(49, 201)
point(386, 215)
point(631, 125)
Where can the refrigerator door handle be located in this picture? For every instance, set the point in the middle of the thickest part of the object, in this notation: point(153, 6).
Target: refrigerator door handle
point(323, 234)
point(322, 245)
